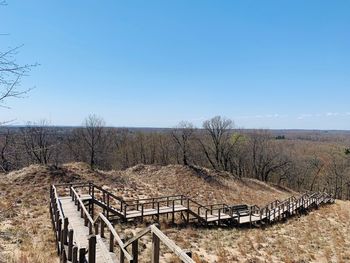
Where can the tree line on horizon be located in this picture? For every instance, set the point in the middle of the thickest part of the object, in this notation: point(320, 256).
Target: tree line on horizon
point(300, 165)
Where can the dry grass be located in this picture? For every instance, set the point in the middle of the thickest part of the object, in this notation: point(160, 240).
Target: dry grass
point(321, 236)
point(26, 234)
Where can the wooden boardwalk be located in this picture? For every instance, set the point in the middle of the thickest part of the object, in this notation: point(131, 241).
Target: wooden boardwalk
point(81, 232)
point(86, 236)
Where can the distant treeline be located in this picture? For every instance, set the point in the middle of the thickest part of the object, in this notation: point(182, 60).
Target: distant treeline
point(301, 160)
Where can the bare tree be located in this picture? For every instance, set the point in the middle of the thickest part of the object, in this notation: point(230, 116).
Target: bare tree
point(165, 146)
point(234, 155)
point(5, 140)
point(120, 142)
point(338, 174)
point(182, 134)
point(317, 164)
point(89, 143)
point(11, 73)
point(38, 141)
point(266, 157)
point(218, 129)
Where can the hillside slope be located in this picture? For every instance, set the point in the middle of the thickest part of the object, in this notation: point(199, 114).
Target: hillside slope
point(26, 234)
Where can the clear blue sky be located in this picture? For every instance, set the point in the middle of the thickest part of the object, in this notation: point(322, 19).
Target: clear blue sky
point(265, 64)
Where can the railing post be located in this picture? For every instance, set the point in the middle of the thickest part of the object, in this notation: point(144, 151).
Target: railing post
point(82, 252)
point(57, 217)
point(62, 244)
point(92, 201)
point(102, 229)
point(96, 228)
point(142, 212)
point(70, 245)
point(121, 253)
point(65, 231)
point(135, 251)
point(107, 205)
point(75, 255)
point(250, 218)
point(155, 248)
point(92, 249)
point(59, 228)
point(90, 228)
point(64, 257)
point(158, 212)
point(52, 217)
point(125, 206)
point(173, 213)
point(111, 242)
point(188, 211)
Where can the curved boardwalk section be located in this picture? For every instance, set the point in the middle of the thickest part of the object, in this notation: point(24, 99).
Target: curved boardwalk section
point(83, 235)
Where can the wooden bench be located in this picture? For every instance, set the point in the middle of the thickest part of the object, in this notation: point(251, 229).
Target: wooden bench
point(238, 209)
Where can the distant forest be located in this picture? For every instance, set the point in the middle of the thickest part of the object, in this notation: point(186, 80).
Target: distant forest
point(300, 159)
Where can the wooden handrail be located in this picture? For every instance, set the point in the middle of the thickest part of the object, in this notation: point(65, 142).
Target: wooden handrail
point(156, 198)
point(115, 234)
point(77, 184)
point(138, 236)
point(149, 203)
point(109, 193)
point(82, 206)
point(195, 202)
point(171, 245)
point(214, 206)
point(58, 202)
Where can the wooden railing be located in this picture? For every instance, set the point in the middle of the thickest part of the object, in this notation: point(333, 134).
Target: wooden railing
point(97, 227)
point(68, 250)
point(201, 212)
point(124, 256)
point(66, 247)
point(155, 203)
point(88, 221)
point(158, 236)
point(100, 223)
